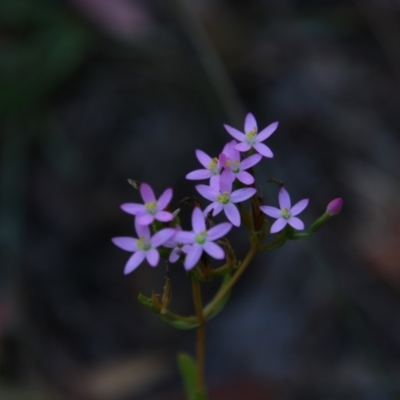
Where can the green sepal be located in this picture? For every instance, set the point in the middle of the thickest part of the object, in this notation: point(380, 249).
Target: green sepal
point(188, 370)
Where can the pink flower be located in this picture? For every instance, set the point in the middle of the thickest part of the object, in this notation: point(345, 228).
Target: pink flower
point(145, 247)
point(334, 206)
point(151, 209)
point(251, 138)
point(212, 168)
point(286, 214)
point(223, 198)
point(230, 158)
point(177, 248)
point(201, 239)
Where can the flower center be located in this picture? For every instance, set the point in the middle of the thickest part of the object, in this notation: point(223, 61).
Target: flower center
point(201, 237)
point(250, 136)
point(143, 244)
point(151, 207)
point(236, 166)
point(223, 198)
point(285, 213)
point(213, 166)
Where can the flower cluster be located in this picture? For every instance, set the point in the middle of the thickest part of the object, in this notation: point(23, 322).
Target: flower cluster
point(157, 227)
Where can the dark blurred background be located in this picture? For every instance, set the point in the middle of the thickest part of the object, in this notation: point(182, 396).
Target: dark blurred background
point(93, 92)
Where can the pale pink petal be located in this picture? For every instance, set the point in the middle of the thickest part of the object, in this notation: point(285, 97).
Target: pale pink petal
point(145, 219)
point(218, 207)
point(207, 192)
point(203, 158)
point(271, 211)
point(193, 256)
point(225, 182)
point(185, 237)
point(296, 223)
point(142, 230)
point(235, 133)
point(263, 150)
point(134, 261)
point(244, 146)
point(214, 183)
point(219, 230)
point(242, 194)
point(229, 150)
point(175, 254)
point(198, 223)
point(232, 213)
point(125, 243)
point(284, 199)
point(164, 216)
point(278, 225)
point(250, 161)
point(147, 193)
point(153, 257)
point(199, 174)
point(162, 236)
point(250, 123)
point(231, 175)
point(213, 250)
point(209, 208)
point(164, 199)
point(245, 177)
point(267, 132)
point(299, 207)
point(133, 208)
point(222, 159)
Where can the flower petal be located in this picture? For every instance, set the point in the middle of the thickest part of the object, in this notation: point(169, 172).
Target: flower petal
point(132, 208)
point(271, 211)
point(147, 193)
point(299, 207)
point(250, 123)
point(199, 174)
point(162, 236)
point(235, 133)
point(218, 207)
point(207, 192)
point(164, 199)
point(225, 182)
point(198, 223)
point(278, 225)
point(193, 256)
point(214, 182)
point(203, 158)
point(244, 146)
point(245, 177)
point(264, 150)
point(250, 161)
point(213, 250)
point(134, 261)
point(267, 132)
point(185, 237)
point(242, 194)
point(296, 223)
point(175, 254)
point(153, 257)
point(142, 230)
point(284, 199)
point(219, 230)
point(232, 213)
point(145, 219)
point(125, 243)
point(164, 216)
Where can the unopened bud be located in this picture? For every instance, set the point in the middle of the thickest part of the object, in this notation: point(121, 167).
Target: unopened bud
point(334, 206)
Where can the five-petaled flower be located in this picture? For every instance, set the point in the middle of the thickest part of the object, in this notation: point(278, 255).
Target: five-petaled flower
point(143, 247)
point(223, 198)
point(201, 239)
point(286, 214)
point(152, 208)
point(251, 137)
point(212, 168)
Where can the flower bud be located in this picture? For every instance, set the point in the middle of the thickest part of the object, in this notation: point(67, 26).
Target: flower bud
point(334, 206)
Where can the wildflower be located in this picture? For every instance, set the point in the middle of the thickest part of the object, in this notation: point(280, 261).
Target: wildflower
point(334, 206)
point(145, 247)
point(151, 209)
point(236, 168)
point(251, 137)
point(201, 239)
point(223, 198)
point(286, 214)
point(212, 167)
point(177, 248)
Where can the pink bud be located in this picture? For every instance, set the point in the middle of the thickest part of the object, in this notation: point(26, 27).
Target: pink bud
point(334, 206)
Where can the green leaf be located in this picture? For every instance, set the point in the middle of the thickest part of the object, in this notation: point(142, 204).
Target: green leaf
point(188, 370)
point(178, 324)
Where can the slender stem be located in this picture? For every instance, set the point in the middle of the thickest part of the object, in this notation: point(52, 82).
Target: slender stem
point(201, 336)
point(220, 295)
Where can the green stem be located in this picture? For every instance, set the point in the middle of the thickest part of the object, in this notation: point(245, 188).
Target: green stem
point(201, 336)
point(249, 257)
